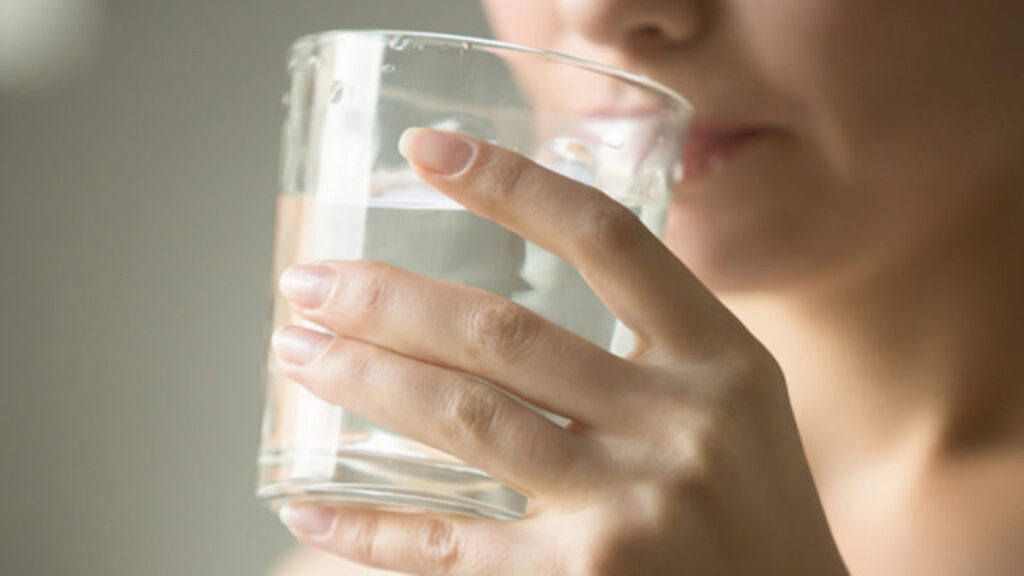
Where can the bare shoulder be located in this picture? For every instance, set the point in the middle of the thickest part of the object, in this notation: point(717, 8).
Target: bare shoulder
point(302, 561)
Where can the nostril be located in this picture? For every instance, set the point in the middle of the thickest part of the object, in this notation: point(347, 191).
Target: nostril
point(680, 25)
point(649, 30)
point(650, 35)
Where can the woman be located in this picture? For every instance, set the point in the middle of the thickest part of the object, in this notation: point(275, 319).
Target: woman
point(855, 201)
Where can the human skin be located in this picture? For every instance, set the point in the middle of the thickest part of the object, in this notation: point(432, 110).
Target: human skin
point(869, 238)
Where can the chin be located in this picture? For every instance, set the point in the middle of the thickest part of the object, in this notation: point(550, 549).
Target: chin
point(720, 262)
point(769, 221)
point(737, 255)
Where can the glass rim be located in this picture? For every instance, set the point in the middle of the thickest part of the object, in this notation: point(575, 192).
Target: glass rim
point(681, 103)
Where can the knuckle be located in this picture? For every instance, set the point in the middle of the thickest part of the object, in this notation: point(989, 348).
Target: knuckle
point(356, 361)
point(362, 537)
point(748, 382)
point(368, 288)
point(346, 365)
point(612, 226)
point(703, 459)
point(472, 414)
point(509, 173)
point(694, 439)
point(439, 546)
point(502, 329)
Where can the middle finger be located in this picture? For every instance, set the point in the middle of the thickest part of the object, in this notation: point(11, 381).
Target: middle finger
point(470, 330)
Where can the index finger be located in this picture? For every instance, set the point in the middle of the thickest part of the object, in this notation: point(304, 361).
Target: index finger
point(628, 267)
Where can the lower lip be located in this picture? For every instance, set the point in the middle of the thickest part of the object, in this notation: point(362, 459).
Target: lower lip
point(708, 154)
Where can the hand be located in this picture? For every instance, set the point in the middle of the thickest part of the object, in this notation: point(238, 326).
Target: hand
point(305, 561)
point(682, 458)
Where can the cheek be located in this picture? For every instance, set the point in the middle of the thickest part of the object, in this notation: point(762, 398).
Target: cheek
point(529, 22)
point(785, 212)
point(538, 24)
point(898, 129)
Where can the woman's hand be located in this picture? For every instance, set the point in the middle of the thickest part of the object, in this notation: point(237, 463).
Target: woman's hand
point(682, 458)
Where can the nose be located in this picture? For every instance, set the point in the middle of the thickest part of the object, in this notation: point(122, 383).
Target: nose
point(625, 22)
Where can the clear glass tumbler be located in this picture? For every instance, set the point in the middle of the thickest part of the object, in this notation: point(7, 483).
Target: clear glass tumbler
point(347, 194)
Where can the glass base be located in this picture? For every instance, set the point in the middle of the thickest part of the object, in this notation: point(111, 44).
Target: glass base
point(386, 482)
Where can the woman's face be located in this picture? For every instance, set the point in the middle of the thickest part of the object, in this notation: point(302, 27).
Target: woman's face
point(834, 137)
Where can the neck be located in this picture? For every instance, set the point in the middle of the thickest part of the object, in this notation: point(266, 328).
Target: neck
point(921, 360)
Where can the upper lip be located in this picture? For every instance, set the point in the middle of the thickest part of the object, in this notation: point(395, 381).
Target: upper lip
point(708, 138)
point(702, 128)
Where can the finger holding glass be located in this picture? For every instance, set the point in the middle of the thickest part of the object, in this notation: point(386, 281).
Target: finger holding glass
point(708, 464)
point(505, 328)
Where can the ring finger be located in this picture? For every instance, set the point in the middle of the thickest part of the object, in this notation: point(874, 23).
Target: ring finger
point(442, 408)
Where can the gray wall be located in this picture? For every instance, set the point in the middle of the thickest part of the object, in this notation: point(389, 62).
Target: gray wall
point(135, 227)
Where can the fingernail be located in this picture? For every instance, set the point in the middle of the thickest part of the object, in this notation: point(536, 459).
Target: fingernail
point(307, 286)
point(297, 345)
point(311, 522)
point(440, 152)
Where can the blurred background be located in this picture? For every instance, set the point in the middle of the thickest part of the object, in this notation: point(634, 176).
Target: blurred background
point(138, 160)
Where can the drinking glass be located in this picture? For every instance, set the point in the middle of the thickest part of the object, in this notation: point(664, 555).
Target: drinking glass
point(347, 194)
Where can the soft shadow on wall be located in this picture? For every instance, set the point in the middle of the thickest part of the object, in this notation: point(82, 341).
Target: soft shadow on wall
point(138, 161)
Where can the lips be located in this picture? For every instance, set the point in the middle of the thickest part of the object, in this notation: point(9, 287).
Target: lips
point(710, 144)
point(710, 147)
